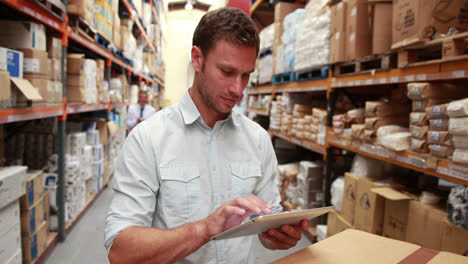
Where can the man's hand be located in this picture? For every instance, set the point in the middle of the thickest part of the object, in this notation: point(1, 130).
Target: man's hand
point(139, 120)
point(285, 237)
point(232, 213)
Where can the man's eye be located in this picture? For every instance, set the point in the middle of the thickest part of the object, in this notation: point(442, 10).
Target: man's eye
point(227, 72)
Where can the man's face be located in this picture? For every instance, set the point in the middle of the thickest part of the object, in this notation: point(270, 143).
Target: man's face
point(223, 75)
point(143, 99)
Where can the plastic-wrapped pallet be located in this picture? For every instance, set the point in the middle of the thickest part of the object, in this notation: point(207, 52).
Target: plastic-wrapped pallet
point(313, 37)
point(367, 167)
point(266, 37)
point(90, 69)
point(292, 22)
point(265, 69)
point(279, 60)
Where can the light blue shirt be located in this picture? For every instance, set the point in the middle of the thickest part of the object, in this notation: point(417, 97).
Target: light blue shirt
point(174, 169)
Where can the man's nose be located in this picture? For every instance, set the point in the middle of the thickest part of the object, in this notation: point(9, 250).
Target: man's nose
point(237, 87)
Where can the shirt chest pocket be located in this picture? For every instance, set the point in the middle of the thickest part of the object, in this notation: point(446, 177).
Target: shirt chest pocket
point(179, 192)
point(245, 176)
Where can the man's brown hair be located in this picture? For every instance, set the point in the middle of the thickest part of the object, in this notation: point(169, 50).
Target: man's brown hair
point(226, 23)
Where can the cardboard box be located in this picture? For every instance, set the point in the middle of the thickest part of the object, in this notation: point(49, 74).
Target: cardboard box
point(395, 212)
point(24, 94)
point(34, 245)
point(454, 238)
point(54, 47)
point(82, 8)
point(34, 189)
point(5, 92)
point(338, 18)
point(58, 92)
point(55, 69)
point(12, 62)
point(75, 63)
point(77, 80)
point(12, 184)
point(10, 242)
point(76, 94)
point(33, 217)
point(425, 225)
point(41, 85)
point(382, 28)
point(9, 217)
point(357, 247)
point(35, 62)
point(22, 35)
point(369, 208)
point(336, 223)
point(338, 47)
point(418, 20)
point(358, 31)
point(282, 9)
point(349, 197)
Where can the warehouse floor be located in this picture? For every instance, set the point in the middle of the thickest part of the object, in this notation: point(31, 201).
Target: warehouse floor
point(85, 243)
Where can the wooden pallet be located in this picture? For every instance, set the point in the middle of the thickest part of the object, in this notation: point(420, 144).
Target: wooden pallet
point(435, 51)
point(368, 64)
point(82, 27)
point(54, 7)
point(102, 41)
point(282, 78)
point(314, 73)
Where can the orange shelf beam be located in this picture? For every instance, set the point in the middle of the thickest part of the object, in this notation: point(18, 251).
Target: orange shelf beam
point(16, 115)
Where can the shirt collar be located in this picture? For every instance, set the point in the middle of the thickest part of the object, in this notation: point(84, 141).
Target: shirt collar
point(190, 112)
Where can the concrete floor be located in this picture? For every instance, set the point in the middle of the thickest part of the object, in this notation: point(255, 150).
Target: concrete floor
point(85, 243)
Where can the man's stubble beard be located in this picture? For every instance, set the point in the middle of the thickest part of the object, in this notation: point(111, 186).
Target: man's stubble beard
point(207, 98)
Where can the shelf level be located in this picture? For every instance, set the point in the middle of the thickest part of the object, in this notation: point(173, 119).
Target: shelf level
point(446, 170)
point(261, 112)
point(262, 89)
point(301, 142)
point(319, 85)
point(432, 72)
point(16, 115)
point(75, 36)
point(30, 9)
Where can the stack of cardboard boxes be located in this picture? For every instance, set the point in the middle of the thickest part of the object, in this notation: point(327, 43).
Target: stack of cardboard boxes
point(458, 124)
point(298, 121)
point(30, 40)
point(12, 188)
point(54, 50)
point(382, 207)
point(83, 9)
point(34, 217)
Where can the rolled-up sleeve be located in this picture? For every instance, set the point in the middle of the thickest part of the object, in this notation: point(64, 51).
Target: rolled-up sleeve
point(135, 184)
point(266, 189)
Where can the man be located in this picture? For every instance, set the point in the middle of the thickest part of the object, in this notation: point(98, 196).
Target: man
point(196, 169)
point(141, 111)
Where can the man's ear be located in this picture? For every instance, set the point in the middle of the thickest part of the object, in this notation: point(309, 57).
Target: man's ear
point(197, 58)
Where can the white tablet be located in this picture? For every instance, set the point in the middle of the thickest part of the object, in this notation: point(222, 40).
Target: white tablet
point(265, 222)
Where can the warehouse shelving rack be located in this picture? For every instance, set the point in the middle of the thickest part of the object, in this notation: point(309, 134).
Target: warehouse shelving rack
point(61, 111)
point(442, 71)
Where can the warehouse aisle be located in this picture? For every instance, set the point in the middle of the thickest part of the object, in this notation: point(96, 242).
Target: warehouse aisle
point(85, 243)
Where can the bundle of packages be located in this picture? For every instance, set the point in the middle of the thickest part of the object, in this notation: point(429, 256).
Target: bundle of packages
point(381, 113)
point(289, 190)
point(275, 114)
point(342, 122)
point(319, 121)
point(309, 182)
point(265, 69)
point(266, 38)
point(292, 23)
point(394, 137)
point(299, 113)
point(458, 129)
point(429, 120)
point(313, 37)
